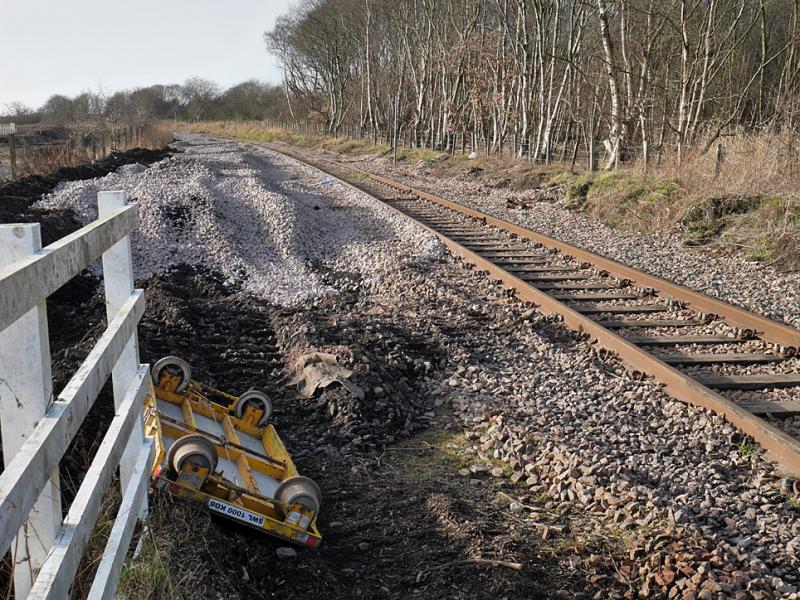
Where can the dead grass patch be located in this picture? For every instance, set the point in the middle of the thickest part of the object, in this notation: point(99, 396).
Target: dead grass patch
point(168, 564)
point(45, 159)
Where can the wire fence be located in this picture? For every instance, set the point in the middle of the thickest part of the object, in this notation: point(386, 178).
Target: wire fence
point(574, 150)
point(26, 151)
point(722, 155)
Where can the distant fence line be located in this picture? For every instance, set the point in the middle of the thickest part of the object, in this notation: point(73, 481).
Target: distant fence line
point(93, 145)
point(590, 153)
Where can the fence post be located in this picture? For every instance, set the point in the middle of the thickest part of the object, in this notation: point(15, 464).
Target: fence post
point(718, 161)
point(574, 154)
point(26, 392)
point(12, 149)
point(118, 281)
point(394, 128)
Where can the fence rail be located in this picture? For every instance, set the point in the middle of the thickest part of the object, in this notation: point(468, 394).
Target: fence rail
point(37, 430)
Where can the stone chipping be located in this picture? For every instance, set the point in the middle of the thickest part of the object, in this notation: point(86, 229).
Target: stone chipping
point(699, 510)
point(259, 219)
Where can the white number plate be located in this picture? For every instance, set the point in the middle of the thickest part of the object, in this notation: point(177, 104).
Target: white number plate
point(236, 512)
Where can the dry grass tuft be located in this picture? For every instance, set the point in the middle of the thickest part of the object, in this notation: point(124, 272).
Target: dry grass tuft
point(169, 564)
point(750, 208)
point(44, 159)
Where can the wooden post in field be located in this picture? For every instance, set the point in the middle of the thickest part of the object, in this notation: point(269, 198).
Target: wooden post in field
point(94, 146)
point(718, 161)
point(12, 149)
point(10, 129)
point(26, 392)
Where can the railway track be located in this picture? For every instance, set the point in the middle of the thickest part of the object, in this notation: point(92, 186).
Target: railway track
point(705, 352)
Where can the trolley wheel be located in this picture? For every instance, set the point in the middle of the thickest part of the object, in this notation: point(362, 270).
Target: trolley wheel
point(257, 399)
point(299, 490)
point(195, 449)
point(175, 366)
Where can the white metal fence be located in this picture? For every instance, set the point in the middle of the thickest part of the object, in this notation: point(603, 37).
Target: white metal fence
point(38, 428)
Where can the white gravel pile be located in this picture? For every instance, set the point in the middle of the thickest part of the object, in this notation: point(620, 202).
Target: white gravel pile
point(259, 219)
point(750, 285)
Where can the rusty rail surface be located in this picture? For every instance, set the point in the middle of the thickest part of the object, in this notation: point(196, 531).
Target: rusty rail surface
point(782, 448)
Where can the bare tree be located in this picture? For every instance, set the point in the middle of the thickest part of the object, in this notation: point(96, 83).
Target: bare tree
point(539, 77)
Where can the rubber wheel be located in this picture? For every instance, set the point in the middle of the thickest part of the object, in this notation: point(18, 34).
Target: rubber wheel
point(256, 399)
point(193, 448)
point(299, 490)
point(174, 365)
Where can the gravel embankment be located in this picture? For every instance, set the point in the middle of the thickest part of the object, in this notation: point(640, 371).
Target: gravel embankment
point(659, 498)
point(694, 508)
point(747, 284)
point(259, 219)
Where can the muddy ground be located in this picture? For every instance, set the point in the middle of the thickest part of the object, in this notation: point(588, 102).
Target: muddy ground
point(397, 521)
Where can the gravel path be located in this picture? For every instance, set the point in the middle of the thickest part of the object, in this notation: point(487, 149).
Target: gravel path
point(259, 218)
point(747, 284)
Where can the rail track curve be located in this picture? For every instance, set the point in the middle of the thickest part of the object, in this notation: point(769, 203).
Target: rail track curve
point(697, 346)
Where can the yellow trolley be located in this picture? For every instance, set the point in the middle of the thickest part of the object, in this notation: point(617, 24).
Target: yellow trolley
point(225, 454)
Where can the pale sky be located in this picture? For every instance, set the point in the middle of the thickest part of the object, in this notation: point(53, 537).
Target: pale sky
point(69, 46)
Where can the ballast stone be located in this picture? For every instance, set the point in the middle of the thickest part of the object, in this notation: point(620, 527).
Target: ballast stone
point(263, 220)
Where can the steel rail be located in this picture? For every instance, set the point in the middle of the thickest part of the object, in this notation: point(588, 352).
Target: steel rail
point(765, 328)
point(782, 448)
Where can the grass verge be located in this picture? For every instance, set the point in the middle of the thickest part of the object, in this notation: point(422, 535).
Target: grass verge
point(750, 208)
point(260, 132)
point(757, 226)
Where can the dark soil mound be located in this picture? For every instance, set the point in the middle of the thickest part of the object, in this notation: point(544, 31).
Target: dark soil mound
point(16, 197)
point(397, 520)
